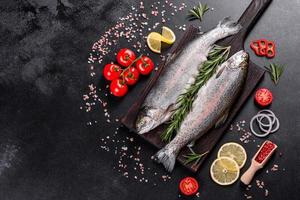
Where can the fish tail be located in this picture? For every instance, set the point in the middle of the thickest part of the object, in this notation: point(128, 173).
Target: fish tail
point(167, 157)
point(227, 22)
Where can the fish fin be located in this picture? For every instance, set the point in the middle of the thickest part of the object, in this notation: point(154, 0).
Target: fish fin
point(224, 21)
point(166, 157)
point(168, 113)
point(227, 22)
point(222, 120)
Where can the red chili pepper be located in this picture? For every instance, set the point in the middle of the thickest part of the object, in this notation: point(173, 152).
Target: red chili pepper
point(263, 47)
point(189, 186)
point(270, 50)
point(255, 47)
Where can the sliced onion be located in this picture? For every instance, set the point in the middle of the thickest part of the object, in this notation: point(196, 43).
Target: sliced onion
point(274, 120)
point(269, 126)
point(273, 129)
point(269, 113)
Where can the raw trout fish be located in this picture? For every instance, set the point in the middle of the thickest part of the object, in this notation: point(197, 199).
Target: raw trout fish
point(210, 107)
point(179, 74)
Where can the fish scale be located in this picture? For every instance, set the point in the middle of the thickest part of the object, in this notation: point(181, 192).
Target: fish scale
point(212, 102)
point(161, 100)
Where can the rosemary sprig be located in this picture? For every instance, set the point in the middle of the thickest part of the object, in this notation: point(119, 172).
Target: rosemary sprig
point(197, 12)
point(216, 56)
point(275, 72)
point(193, 157)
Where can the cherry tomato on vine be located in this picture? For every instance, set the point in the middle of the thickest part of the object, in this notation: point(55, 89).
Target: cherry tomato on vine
point(144, 65)
point(112, 71)
point(131, 76)
point(125, 57)
point(118, 88)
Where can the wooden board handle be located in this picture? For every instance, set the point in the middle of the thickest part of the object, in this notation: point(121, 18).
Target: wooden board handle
point(249, 174)
point(251, 15)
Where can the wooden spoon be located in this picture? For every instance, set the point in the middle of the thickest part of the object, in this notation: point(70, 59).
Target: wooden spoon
point(258, 163)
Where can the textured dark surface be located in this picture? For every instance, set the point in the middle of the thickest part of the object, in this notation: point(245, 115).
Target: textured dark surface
point(46, 149)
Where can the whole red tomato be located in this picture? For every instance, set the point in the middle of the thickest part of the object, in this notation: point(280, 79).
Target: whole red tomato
point(125, 57)
point(131, 76)
point(144, 65)
point(112, 71)
point(118, 88)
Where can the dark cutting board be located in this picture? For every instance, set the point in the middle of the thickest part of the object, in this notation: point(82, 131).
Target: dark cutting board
point(255, 73)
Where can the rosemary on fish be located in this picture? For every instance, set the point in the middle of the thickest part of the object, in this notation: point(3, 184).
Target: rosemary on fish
point(275, 72)
point(194, 157)
point(184, 102)
point(197, 12)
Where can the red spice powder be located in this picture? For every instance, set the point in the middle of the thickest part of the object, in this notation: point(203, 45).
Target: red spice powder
point(265, 151)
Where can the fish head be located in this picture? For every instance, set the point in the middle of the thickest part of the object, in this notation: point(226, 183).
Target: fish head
point(144, 124)
point(148, 119)
point(235, 66)
point(239, 61)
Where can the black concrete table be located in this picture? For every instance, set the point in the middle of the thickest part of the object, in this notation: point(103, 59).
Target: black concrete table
point(47, 151)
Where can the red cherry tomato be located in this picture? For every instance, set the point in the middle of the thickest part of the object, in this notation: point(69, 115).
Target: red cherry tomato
point(118, 88)
point(145, 65)
point(189, 186)
point(131, 76)
point(125, 57)
point(263, 97)
point(112, 71)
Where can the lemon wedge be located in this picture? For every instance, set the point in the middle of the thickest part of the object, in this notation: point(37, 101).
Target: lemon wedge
point(235, 151)
point(168, 36)
point(224, 171)
point(155, 40)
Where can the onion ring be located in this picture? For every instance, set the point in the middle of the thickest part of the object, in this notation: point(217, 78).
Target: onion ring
point(261, 123)
point(274, 121)
point(269, 113)
point(263, 116)
point(266, 110)
point(273, 130)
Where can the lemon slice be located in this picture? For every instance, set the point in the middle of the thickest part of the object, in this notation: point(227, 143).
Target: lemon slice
point(154, 42)
point(235, 151)
point(224, 171)
point(168, 35)
point(155, 39)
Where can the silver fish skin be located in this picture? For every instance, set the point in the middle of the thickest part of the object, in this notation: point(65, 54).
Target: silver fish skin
point(181, 71)
point(211, 106)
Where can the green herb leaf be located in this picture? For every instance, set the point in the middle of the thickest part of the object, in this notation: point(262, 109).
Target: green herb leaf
point(193, 157)
point(184, 102)
point(197, 12)
point(275, 72)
